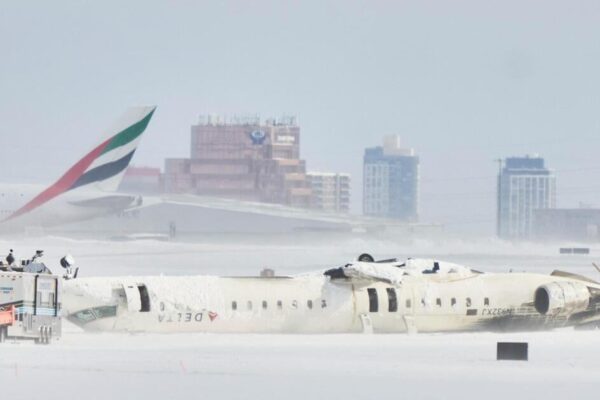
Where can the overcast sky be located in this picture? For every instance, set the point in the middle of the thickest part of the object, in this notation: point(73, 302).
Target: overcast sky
point(463, 82)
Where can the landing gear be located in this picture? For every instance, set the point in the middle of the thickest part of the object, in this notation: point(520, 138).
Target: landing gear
point(366, 258)
point(3, 333)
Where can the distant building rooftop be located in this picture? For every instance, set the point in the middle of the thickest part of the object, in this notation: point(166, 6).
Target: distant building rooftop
point(246, 120)
point(527, 162)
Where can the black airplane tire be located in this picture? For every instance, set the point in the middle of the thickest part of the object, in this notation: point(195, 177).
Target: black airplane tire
point(365, 257)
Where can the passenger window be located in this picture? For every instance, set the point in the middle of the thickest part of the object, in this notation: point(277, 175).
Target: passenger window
point(323, 303)
point(453, 301)
point(408, 303)
point(486, 301)
point(279, 304)
point(264, 304)
point(309, 304)
point(373, 301)
point(234, 305)
point(438, 302)
point(468, 302)
point(249, 305)
point(392, 300)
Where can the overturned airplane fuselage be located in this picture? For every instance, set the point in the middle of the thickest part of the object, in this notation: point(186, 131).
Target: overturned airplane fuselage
point(415, 296)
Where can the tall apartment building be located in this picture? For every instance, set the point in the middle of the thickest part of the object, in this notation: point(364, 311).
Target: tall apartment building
point(391, 181)
point(330, 191)
point(524, 185)
point(243, 158)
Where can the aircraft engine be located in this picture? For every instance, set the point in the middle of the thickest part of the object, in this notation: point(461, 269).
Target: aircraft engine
point(561, 298)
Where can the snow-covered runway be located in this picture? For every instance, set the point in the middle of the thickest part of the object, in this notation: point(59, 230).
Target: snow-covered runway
point(563, 364)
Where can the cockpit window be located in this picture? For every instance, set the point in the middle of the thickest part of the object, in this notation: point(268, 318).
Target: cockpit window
point(83, 317)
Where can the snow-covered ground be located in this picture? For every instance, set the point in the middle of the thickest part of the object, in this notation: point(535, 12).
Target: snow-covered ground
point(563, 364)
point(223, 257)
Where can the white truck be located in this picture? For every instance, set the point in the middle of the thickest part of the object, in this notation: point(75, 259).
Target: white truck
point(29, 302)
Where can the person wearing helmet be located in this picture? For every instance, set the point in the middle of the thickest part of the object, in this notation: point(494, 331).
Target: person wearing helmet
point(67, 263)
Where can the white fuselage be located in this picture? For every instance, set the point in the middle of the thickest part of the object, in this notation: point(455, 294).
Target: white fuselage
point(309, 304)
point(76, 205)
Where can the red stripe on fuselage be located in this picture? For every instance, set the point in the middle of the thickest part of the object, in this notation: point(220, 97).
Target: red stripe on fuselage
point(63, 184)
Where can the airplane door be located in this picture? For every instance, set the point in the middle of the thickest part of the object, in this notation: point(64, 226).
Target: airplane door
point(379, 306)
point(132, 294)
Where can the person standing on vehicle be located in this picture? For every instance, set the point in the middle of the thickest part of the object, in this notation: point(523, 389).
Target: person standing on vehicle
point(10, 259)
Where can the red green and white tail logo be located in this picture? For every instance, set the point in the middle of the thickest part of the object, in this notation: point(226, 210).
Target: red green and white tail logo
point(104, 166)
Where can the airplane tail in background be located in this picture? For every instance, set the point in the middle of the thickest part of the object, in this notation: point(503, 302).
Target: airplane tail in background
point(103, 167)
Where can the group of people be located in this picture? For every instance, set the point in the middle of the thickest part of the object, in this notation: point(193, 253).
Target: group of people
point(34, 266)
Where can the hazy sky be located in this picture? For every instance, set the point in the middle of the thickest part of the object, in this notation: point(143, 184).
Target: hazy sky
point(463, 82)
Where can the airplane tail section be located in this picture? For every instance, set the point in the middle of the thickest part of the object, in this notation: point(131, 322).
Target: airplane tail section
point(104, 166)
point(112, 156)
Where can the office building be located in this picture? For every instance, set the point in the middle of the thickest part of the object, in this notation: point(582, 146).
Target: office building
point(391, 181)
point(243, 158)
point(330, 191)
point(524, 185)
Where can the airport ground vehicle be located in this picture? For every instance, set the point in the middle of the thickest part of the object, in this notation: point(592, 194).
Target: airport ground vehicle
point(29, 303)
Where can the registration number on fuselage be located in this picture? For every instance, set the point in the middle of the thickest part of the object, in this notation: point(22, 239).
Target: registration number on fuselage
point(495, 312)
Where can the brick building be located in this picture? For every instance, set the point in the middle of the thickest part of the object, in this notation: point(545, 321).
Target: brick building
point(245, 159)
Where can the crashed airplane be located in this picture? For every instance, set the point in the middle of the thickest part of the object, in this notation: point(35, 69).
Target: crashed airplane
point(363, 296)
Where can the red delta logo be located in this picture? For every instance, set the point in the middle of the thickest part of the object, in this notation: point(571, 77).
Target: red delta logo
point(212, 315)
